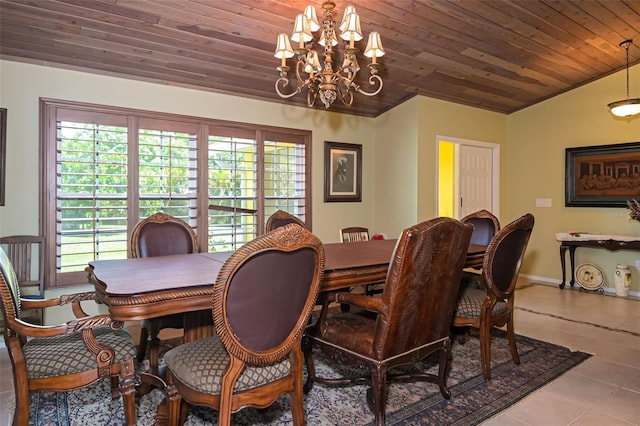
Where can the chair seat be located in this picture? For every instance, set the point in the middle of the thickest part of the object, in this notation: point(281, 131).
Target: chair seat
point(470, 303)
point(201, 365)
point(352, 331)
point(66, 354)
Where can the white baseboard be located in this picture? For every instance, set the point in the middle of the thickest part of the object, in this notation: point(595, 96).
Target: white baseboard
point(554, 282)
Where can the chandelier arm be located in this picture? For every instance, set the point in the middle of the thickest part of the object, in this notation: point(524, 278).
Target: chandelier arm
point(377, 78)
point(285, 83)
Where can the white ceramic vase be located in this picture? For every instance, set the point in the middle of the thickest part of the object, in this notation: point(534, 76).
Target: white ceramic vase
point(622, 280)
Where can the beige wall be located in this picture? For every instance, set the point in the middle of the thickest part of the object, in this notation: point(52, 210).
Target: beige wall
point(21, 86)
point(534, 169)
point(399, 153)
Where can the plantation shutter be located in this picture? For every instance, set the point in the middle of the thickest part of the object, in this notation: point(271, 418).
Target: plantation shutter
point(286, 185)
point(167, 169)
point(91, 191)
point(232, 187)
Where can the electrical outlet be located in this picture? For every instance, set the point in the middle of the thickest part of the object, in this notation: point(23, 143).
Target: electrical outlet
point(638, 264)
point(543, 202)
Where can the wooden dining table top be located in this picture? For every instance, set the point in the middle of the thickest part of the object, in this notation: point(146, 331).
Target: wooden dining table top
point(144, 288)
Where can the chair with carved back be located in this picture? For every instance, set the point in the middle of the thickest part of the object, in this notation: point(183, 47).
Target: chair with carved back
point(160, 235)
point(411, 319)
point(492, 303)
point(485, 226)
point(66, 356)
point(281, 218)
point(262, 301)
point(26, 254)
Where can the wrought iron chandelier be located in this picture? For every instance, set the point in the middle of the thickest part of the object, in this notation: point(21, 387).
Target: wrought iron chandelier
point(626, 107)
point(321, 80)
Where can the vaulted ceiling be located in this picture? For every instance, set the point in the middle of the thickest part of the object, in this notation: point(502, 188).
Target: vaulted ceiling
point(497, 55)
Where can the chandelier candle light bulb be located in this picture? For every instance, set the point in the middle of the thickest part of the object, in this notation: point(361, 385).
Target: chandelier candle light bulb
point(321, 80)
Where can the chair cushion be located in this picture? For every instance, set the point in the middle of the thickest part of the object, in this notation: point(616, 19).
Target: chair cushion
point(470, 303)
point(202, 363)
point(61, 355)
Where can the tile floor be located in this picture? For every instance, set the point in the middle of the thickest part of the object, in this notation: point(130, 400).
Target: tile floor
point(602, 391)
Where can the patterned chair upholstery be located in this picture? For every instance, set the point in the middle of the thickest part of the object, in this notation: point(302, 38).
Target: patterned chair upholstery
point(262, 301)
point(160, 235)
point(492, 305)
point(410, 321)
point(281, 218)
point(67, 356)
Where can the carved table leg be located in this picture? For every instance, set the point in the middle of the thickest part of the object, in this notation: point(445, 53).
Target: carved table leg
point(563, 250)
point(572, 258)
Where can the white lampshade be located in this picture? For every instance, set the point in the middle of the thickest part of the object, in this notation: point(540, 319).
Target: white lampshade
point(348, 11)
point(352, 29)
point(310, 14)
point(313, 63)
point(301, 29)
point(283, 47)
point(625, 108)
point(374, 47)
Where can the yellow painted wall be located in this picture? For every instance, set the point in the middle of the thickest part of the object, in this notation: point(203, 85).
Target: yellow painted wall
point(446, 176)
point(534, 169)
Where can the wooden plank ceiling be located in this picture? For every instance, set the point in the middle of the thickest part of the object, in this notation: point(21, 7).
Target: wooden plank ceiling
point(497, 55)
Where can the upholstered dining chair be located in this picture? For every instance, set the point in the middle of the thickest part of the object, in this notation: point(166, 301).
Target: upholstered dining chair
point(410, 321)
point(160, 235)
point(262, 301)
point(281, 218)
point(492, 303)
point(67, 356)
point(485, 226)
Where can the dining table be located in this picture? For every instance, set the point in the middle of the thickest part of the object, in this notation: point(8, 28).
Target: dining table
point(143, 288)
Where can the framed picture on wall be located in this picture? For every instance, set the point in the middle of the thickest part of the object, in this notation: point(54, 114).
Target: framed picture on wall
point(342, 172)
point(602, 176)
point(3, 152)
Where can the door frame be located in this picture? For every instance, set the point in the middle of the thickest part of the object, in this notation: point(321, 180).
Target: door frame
point(495, 165)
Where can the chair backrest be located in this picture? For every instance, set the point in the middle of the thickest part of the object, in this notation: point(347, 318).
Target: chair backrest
point(26, 254)
point(485, 226)
point(265, 292)
point(422, 284)
point(161, 235)
point(504, 256)
point(354, 233)
point(281, 218)
point(9, 291)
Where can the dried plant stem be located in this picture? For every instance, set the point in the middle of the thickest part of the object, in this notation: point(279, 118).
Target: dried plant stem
point(634, 209)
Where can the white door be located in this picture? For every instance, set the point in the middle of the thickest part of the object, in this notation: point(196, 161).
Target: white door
point(475, 179)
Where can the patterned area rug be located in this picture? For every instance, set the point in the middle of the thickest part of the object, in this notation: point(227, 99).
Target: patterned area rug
point(472, 398)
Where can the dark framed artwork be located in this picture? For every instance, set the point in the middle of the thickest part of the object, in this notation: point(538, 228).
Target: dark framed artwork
point(342, 172)
point(3, 152)
point(603, 175)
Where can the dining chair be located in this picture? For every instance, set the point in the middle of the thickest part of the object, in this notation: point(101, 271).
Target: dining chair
point(357, 233)
point(26, 254)
point(160, 235)
point(485, 226)
point(281, 218)
point(492, 303)
point(262, 301)
point(410, 321)
point(354, 233)
point(66, 356)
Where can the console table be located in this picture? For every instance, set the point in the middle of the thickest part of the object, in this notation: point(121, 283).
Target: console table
point(572, 240)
